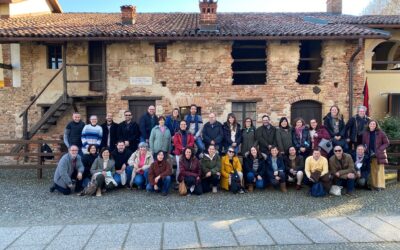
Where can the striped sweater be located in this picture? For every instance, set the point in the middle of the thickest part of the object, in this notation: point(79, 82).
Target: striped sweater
point(91, 135)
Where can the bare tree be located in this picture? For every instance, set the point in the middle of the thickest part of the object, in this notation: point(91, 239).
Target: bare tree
point(383, 7)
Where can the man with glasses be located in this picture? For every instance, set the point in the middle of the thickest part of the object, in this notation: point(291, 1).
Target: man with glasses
point(317, 170)
point(128, 132)
point(147, 122)
point(341, 168)
point(69, 170)
point(73, 132)
point(91, 134)
point(195, 127)
point(266, 135)
point(355, 127)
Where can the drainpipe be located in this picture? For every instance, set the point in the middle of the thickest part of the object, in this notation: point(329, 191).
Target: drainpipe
point(351, 72)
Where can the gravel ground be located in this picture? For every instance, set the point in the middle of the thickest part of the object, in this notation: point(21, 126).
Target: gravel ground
point(26, 200)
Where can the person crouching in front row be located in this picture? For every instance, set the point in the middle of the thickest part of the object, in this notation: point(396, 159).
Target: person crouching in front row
point(159, 175)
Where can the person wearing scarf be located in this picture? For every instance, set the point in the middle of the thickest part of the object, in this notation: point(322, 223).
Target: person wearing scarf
point(362, 164)
point(335, 125)
point(276, 169)
point(182, 139)
point(301, 138)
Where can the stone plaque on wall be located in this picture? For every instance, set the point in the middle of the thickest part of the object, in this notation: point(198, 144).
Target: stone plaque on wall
point(141, 80)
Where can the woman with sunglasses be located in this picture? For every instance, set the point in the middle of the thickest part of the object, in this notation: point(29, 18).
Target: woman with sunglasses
point(230, 165)
point(190, 172)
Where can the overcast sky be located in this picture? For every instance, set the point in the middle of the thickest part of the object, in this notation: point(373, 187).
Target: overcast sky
point(353, 7)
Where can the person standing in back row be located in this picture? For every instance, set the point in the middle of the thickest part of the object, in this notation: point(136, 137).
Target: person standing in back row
point(110, 133)
point(73, 132)
point(266, 135)
point(195, 123)
point(128, 132)
point(147, 122)
point(91, 134)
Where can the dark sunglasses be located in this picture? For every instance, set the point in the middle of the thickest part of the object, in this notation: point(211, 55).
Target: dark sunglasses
point(338, 150)
point(230, 151)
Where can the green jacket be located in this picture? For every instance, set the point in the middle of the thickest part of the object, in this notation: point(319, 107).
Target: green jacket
point(160, 141)
point(284, 139)
point(98, 166)
point(208, 164)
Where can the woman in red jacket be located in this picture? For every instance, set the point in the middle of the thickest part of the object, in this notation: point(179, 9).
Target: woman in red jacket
point(376, 143)
point(190, 172)
point(182, 139)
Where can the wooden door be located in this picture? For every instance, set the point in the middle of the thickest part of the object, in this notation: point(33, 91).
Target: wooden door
point(96, 72)
point(139, 107)
point(96, 109)
point(307, 110)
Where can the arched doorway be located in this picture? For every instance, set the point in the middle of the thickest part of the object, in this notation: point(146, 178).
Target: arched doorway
point(307, 110)
point(386, 56)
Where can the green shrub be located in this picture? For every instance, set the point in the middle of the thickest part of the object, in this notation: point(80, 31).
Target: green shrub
point(391, 126)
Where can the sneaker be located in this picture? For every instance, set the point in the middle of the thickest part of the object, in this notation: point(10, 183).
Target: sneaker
point(241, 191)
point(98, 192)
point(192, 188)
point(164, 194)
point(52, 188)
point(214, 190)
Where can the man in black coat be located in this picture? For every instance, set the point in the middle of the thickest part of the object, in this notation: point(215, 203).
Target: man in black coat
point(110, 133)
point(213, 133)
point(128, 131)
point(73, 132)
point(147, 122)
point(355, 127)
point(266, 135)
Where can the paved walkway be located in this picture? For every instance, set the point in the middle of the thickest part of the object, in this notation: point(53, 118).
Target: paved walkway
point(205, 234)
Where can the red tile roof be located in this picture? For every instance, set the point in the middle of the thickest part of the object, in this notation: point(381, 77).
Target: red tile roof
point(107, 26)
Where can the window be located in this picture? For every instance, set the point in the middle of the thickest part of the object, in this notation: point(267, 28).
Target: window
point(310, 62)
point(394, 104)
point(183, 111)
point(249, 62)
point(160, 52)
point(242, 110)
point(96, 109)
point(54, 56)
point(386, 56)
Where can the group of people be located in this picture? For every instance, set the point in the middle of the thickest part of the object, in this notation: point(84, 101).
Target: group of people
point(206, 155)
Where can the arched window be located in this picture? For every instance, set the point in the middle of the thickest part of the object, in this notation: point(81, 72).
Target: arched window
point(307, 110)
point(386, 56)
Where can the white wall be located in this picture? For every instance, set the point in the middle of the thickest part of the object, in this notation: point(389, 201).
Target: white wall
point(16, 64)
point(29, 6)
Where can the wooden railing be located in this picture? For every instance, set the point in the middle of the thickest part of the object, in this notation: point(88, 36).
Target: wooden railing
point(394, 153)
point(31, 159)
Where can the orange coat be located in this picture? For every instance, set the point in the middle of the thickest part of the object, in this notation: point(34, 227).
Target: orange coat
point(227, 168)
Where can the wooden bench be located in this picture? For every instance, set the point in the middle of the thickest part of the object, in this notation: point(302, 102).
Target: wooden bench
point(30, 157)
point(394, 152)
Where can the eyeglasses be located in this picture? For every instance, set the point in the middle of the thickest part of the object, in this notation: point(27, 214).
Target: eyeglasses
point(128, 115)
point(230, 151)
point(338, 150)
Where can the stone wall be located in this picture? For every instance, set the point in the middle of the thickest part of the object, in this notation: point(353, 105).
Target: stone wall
point(188, 63)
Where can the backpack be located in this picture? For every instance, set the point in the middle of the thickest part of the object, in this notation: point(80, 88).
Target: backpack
point(47, 150)
point(317, 190)
point(235, 183)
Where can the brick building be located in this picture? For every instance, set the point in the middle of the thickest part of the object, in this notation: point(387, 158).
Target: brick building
point(280, 64)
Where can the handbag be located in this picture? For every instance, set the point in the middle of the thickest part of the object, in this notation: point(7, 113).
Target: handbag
point(90, 189)
point(235, 183)
point(325, 145)
point(317, 190)
point(336, 190)
point(182, 188)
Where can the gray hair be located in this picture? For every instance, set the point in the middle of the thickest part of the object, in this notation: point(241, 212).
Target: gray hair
point(361, 107)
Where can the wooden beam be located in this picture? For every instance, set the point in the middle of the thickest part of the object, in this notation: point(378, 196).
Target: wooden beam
point(5, 66)
point(27, 166)
point(141, 98)
point(250, 60)
point(64, 70)
point(249, 72)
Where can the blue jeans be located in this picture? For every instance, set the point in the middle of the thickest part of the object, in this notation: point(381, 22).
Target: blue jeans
point(164, 184)
point(275, 182)
point(64, 191)
point(85, 182)
point(200, 145)
point(250, 179)
point(128, 171)
point(348, 183)
point(141, 180)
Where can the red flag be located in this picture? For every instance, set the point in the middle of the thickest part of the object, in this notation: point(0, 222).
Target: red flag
point(366, 96)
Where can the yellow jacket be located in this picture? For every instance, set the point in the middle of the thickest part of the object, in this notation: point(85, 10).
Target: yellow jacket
point(312, 166)
point(227, 169)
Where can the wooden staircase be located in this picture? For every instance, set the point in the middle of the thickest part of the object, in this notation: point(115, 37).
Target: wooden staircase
point(51, 116)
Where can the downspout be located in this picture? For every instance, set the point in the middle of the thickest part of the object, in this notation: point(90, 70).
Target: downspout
point(351, 72)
